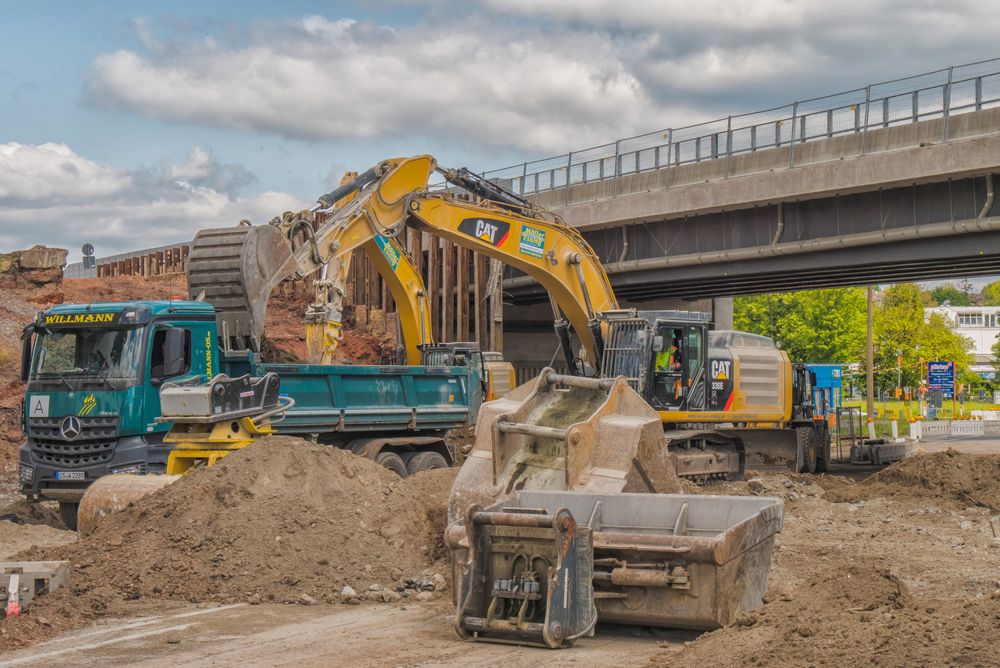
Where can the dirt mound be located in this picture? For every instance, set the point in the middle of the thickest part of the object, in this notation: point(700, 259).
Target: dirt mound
point(788, 486)
point(861, 614)
point(15, 537)
point(950, 476)
point(278, 520)
point(22, 511)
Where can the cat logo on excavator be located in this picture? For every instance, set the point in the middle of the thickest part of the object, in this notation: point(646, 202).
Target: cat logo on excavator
point(490, 230)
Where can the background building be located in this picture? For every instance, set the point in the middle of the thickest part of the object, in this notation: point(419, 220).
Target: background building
point(981, 324)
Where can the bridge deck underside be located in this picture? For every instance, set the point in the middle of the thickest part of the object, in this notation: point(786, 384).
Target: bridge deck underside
point(698, 244)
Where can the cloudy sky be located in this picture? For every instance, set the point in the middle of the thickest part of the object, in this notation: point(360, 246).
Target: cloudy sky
point(133, 124)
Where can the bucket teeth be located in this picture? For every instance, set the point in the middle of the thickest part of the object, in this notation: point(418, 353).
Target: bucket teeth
point(236, 268)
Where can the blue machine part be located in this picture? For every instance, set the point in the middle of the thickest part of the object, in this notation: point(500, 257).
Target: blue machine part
point(828, 388)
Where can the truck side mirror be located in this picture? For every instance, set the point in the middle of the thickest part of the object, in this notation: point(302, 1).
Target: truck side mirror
point(26, 337)
point(174, 359)
point(657, 344)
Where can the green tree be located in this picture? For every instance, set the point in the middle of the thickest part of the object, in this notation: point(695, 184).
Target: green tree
point(901, 331)
point(991, 294)
point(953, 295)
point(811, 326)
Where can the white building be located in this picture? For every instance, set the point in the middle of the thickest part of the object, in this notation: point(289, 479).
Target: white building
point(979, 323)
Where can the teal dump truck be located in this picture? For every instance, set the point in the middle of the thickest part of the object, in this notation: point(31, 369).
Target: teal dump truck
point(94, 372)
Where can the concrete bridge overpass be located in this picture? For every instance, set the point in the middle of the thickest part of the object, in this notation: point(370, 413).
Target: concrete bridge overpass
point(892, 182)
point(887, 182)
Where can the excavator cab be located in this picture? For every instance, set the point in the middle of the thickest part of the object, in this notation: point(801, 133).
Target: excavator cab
point(663, 354)
point(678, 366)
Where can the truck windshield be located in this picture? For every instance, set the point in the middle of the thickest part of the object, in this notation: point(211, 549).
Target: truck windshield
point(87, 353)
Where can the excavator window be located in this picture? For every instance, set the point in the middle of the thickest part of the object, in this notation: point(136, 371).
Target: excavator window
point(668, 368)
point(695, 357)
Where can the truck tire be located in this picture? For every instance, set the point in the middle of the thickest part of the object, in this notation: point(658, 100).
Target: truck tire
point(807, 444)
point(67, 512)
point(823, 451)
point(393, 462)
point(425, 461)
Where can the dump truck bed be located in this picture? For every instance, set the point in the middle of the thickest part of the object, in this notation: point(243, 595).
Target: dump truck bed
point(334, 398)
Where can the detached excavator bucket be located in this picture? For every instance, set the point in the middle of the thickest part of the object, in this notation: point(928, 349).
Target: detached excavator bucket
point(237, 268)
point(567, 510)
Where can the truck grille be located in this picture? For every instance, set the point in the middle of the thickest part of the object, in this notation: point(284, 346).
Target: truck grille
point(94, 445)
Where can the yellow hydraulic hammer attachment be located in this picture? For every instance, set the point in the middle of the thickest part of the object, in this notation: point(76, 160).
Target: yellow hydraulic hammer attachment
point(205, 444)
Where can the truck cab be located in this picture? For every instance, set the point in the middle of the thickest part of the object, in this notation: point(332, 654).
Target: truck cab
point(93, 373)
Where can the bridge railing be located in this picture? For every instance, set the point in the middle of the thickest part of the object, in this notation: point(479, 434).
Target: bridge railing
point(938, 94)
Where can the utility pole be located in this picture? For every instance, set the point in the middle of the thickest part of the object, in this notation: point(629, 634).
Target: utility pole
point(870, 371)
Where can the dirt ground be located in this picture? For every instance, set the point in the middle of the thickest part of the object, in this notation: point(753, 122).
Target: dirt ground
point(293, 554)
point(900, 569)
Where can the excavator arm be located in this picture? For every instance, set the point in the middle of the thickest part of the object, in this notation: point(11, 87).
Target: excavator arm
point(237, 268)
point(379, 204)
point(546, 249)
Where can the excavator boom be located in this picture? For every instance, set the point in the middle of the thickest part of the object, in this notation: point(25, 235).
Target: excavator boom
point(237, 268)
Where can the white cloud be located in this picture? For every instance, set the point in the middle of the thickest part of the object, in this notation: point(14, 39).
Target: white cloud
point(534, 76)
point(317, 79)
point(50, 194)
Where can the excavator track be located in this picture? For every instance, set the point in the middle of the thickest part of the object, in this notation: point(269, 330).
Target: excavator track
point(235, 269)
point(706, 457)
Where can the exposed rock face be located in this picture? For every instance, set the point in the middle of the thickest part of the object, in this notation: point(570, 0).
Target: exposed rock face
point(37, 266)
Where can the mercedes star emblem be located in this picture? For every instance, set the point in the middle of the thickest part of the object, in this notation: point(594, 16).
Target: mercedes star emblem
point(70, 428)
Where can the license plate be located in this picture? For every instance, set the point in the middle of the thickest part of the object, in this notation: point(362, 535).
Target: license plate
point(71, 475)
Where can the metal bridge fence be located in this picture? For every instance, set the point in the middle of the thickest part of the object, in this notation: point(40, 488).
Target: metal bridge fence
point(939, 94)
point(77, 270)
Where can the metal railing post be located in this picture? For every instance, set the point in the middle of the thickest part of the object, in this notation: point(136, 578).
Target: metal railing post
point(670, 144)
point(791, 136)
point(569, 167)
point(864, 138)
point(946, 103)
point(524, 176)
point(618, 167)
point(729, 144)
point(979, 93)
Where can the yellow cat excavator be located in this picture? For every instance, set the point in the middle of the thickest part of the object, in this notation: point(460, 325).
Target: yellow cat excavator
point(723, 397)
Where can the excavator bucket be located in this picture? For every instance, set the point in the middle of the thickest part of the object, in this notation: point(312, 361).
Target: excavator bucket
point(567, 510)
point(563, 432)
point(111, 493)
point(236, 268)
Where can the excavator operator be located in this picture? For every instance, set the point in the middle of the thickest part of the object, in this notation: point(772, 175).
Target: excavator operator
point(667, 373)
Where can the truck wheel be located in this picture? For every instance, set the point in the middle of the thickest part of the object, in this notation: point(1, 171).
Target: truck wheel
point(424, 461)
point(393, 462)
point(68, 511)
point(823, 454)
point(806, 443)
